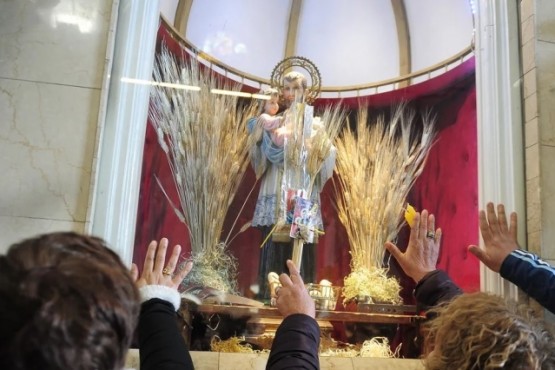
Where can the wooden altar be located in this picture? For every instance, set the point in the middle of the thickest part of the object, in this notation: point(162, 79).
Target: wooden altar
point(256, 324)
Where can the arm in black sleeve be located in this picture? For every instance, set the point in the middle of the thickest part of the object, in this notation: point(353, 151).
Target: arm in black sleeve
point(296, 344)
point(534, 276)
point(434, 288)
point(161, 346)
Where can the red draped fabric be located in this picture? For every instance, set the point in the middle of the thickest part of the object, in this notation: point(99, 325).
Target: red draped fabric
point(448, 187)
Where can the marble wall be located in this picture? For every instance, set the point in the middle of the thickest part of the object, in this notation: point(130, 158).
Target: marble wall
point(538, 76)
point(52, 66)
point(537, 37)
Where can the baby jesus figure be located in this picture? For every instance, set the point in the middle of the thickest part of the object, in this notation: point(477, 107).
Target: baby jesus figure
point(267, 119)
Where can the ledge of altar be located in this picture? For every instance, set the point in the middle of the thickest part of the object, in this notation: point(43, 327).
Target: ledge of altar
point(248, 361)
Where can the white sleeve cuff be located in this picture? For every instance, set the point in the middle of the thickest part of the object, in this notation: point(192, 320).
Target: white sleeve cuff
point(163, 292)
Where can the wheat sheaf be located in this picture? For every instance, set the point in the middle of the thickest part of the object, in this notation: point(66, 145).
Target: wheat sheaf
point(206, 142)
point(377, 165)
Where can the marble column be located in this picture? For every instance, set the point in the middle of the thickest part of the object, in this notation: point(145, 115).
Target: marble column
point(116, 187)
point(52, 63)
point(500, 138)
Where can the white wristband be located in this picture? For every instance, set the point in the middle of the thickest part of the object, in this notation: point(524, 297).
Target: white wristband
point(162, 292)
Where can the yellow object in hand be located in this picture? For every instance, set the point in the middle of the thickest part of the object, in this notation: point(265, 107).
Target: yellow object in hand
point(410, 214)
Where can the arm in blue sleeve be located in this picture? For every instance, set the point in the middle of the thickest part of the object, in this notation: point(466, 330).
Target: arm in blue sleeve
point(534, 276)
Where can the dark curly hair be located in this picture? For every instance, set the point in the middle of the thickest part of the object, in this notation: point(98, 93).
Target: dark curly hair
point(66, 302)
point(481, 331)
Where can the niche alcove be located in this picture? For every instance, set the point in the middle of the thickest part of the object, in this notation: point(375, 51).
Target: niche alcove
point(448, 187)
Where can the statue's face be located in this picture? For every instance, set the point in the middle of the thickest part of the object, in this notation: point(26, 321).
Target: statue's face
point(290, 89)
point(272, 106)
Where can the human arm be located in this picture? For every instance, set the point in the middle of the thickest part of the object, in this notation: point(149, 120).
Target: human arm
point(161, 346)
point(531, 274)
point(297, 339)
point(295, 344)
point(501, 253)
point(434, 288)
point(419, 263)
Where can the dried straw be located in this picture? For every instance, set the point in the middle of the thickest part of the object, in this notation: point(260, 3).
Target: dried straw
point(306, 150)
point(377, 166)
point(233, 345)
point(295, 148)
point(332, 120)
point(205, 139)
point(376, 347)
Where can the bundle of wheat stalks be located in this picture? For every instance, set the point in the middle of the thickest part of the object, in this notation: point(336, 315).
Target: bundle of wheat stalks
point(377, 165)
point(307, 149)
point(333, 118)
point(205, 139)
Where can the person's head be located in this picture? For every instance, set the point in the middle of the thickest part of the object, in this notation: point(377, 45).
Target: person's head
point(294, 87)
point(482, 331)
point(271, 105)
point(66, 302)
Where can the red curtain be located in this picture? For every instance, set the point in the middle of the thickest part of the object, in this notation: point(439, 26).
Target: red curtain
point(448, 187)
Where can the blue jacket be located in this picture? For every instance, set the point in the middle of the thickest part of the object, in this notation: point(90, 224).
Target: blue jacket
point(526, 270)
point(534, 276)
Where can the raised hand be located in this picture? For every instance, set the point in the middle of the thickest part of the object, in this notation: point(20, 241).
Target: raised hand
point(499, 236)
point(292, 297)
point(422, 251)
point(155, 273)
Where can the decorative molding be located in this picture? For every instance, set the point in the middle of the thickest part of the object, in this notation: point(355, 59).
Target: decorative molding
point(292, 27)
point(396, 82)
point(403, 37)
point(182, 14)
point(500, 137)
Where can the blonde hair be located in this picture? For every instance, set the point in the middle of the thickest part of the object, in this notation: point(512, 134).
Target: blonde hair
point(482, 331)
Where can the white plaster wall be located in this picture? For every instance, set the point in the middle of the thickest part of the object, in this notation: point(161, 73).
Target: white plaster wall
point(168, 8)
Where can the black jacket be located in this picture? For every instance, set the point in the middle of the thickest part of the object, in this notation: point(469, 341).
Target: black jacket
point(296, 344)
point(434, 288)
point(161, 346)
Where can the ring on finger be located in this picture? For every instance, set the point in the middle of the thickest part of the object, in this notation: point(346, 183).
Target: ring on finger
point(166, 271)
point(430, 235)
